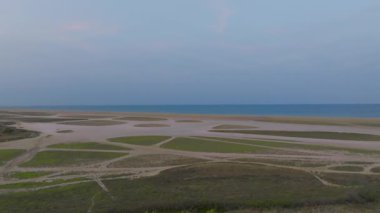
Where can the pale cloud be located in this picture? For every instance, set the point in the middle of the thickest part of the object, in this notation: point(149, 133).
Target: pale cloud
point(78, 26)
point(224, 14)
point(83, 34)
point(90, 27)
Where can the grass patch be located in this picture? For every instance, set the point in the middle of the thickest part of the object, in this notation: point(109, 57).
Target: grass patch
point(65, 131)
point(290, 145)
point(42, 119)
point(87, 145)
point(140, 140)
point(28, 175)
point(229, 126)
point(359, 162)
point(221, 186)
point(152, 125)
point(32, 113)
point(93, 123)
point(323, 121)
point(347, 168)
point(12, 133)
point(188, 121)
point(154, 161)
point(6, 123)
point(350, 179)
point(72, 198)
point(84, 116)
point(9, 154)
point(24, 185)
point(198, 188)
point(135, 118)
point(308, 134)
point(296, 163)
point(69, 158)
point(203, 145)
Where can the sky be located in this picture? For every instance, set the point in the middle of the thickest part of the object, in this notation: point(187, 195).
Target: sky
point(97, 52)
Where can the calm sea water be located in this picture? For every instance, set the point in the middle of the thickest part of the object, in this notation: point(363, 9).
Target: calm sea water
point(344, 110)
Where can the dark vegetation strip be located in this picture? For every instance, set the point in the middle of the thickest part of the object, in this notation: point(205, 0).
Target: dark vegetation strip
point(8, 133)
point(222, 187)
point(276, 144)
point(308, 134)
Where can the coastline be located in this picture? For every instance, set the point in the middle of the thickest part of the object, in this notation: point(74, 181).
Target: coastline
point(296, 110)
point(311, 120)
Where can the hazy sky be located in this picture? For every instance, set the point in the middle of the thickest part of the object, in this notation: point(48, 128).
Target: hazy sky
point(56, 52)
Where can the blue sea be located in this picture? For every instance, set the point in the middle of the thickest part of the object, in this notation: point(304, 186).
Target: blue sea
point(321, 110)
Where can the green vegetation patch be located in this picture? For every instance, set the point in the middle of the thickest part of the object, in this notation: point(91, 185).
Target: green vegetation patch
point(42, 119)
point(140, 140)
point(203, 145)
point(290, 145)
point(69, 158)
point(323, 121)
point(188, 121)
point(9, 154)
point(157, 160)
point(31, 113)
point(6, 123)
point(359, 162)
point(296, 163)
point(65, 131)
point(28, 175)
point(8, 133)
point(231, 126)
point(351, 179)
point(87, 145)
point(93, 123)
point(24, 185)
point(197, 188)
point(347, 168)
point(85, 116)
point(72, 198)
point(136, 118)
point(375, 170)
point(221, 186)
point(152, 125)
point(308, 134)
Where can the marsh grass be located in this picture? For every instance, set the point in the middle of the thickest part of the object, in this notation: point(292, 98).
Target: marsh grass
point(308, 134)
point(293, 145)
point(93, 123)
point(347, 168)
point(204, 145)
point(351, 180)
point(152, 125)
point(323, 121)
point(12, 133)
point(25, 185)
point(136, 118)
point(156, 160)
point(188, 121)
point(296, 163)
point(28, 175)
point(9, 154)
point(218, 187)
point(375, 170)
point(69, 158)
point(231, 126)
point(87, 145)
point(140, 140)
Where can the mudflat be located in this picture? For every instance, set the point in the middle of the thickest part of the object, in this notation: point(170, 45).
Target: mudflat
point(195, 163)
